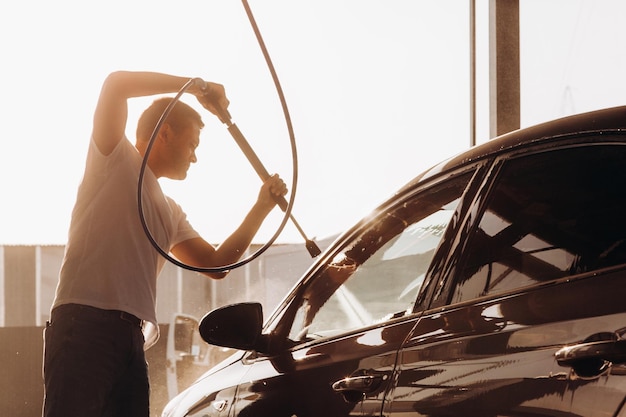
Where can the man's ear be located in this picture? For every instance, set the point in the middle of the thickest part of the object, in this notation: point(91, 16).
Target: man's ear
point(165, 133)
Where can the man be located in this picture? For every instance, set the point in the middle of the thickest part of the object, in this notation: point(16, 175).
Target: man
point(104, 310)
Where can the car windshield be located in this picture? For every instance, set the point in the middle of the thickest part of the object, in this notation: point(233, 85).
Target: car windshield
point(377, 275)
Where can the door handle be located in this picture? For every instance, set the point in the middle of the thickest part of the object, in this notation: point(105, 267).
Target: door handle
point(362, 383)
point(354, 388)
point(613, 351)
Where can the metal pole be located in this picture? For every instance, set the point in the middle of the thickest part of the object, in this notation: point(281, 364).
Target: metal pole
point(472, 37)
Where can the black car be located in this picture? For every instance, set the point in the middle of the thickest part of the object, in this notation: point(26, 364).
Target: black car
point(494, 284)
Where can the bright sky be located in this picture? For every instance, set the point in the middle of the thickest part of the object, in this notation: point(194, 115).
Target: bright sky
point(378, 91)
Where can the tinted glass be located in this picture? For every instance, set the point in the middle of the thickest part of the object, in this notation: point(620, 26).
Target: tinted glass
point(550, 215)
point(377, 275)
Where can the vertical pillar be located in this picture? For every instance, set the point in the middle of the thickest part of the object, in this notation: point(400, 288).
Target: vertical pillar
point(3, 296)
point(20, 285)
point(38, 286)
point(179, 290)
point(504, 66)
point(472, 68)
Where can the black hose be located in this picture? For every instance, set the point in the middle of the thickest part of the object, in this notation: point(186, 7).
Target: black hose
point(146, 229)
point(310, 245)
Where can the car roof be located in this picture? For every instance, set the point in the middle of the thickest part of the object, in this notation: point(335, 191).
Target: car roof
point(606, 120)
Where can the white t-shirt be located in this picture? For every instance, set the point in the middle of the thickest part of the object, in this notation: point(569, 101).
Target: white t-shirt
point(109, 262)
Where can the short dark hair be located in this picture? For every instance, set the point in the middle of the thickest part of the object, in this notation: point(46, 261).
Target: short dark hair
point(180, 116)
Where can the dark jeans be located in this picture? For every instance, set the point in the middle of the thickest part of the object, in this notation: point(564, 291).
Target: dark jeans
point(94, 364)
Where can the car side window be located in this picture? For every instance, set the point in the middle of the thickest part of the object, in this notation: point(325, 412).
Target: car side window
point(376, 276)
point(548, 216)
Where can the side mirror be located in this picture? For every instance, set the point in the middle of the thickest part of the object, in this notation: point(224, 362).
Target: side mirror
point(235, 326)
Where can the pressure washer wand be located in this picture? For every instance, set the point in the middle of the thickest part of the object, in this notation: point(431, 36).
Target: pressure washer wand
point(256, 163)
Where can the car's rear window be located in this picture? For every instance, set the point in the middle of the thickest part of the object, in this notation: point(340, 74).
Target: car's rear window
point(549, 215)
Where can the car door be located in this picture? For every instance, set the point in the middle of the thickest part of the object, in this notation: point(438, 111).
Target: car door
point(332, 346)
point(529, 317)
